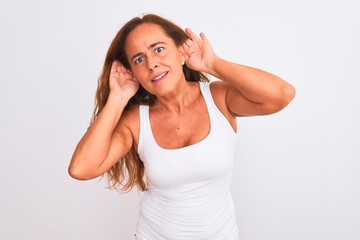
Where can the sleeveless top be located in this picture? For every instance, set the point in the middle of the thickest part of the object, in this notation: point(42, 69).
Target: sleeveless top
point(188, 193)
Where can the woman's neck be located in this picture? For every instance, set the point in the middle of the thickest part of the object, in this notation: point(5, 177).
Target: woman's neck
point(183, 96)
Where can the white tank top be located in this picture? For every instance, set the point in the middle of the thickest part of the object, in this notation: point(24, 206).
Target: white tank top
point(188, 194)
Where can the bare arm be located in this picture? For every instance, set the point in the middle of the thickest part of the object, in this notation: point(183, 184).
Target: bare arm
point(252, 91)
point(249, 91)
point(108, 139)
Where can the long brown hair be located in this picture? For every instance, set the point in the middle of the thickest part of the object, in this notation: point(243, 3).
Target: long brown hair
point(129, 171)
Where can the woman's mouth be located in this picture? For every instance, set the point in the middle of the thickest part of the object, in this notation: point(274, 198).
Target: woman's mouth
point(159, 77)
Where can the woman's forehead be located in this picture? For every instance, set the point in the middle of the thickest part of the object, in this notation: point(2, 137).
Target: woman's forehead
point(146, 34)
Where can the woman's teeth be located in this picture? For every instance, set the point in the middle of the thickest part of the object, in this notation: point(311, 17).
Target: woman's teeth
point(160, 76)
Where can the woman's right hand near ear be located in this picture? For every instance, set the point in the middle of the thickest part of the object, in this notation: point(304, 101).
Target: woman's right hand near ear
point(121, 81)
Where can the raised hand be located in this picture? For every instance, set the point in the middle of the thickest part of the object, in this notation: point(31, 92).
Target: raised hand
point(121, 80)
point(199, 52)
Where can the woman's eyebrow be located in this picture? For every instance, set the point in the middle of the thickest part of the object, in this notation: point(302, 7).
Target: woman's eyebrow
point(154, 44)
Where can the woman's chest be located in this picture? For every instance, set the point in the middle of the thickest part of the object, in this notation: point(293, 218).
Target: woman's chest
point(178, 130)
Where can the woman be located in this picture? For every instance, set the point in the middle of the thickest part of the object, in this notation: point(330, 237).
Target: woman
point(161, 126)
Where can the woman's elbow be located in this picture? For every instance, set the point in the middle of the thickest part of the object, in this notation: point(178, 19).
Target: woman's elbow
point(284, 98)
point(80, 174)
point(289, 93)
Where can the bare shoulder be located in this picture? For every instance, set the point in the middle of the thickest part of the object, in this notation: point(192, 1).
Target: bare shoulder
point(219, 90)
point(130, 120)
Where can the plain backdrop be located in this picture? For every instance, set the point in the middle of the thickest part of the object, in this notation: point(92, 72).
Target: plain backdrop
point(296, 172)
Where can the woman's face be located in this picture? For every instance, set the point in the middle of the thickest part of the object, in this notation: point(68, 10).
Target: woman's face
point(155, 60)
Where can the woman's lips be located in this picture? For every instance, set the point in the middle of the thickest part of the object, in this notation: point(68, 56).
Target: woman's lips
point(159, 77)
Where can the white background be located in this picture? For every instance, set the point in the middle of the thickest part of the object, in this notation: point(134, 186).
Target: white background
point(296, 172)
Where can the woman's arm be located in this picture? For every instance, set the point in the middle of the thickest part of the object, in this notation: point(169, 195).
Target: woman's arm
point(108, 139)
point(249, 91)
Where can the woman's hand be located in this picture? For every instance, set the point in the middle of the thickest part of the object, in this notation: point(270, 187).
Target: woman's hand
point(199, 52)
point(121, 80)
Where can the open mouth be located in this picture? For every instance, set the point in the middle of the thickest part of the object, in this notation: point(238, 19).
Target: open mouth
point(159, 77)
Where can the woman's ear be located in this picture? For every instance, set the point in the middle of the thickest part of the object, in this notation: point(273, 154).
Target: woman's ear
point(183, 54)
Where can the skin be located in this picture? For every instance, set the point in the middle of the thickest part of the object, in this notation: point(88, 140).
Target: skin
point(156, 64)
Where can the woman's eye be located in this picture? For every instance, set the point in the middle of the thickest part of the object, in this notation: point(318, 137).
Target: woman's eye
point(159, 49)
point(139, 60)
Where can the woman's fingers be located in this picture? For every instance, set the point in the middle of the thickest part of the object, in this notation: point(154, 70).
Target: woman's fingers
point(118, 70)
point(187, 43)
point(113, 67)
point(192, 38)
point(192, 35)
point(203, 36)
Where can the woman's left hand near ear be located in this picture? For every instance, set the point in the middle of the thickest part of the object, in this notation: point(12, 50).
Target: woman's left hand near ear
point(199, 52)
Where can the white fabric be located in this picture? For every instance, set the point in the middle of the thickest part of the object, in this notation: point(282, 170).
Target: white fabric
point(188, 195)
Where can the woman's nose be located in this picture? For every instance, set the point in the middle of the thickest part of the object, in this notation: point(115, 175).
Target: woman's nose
point(152, 65)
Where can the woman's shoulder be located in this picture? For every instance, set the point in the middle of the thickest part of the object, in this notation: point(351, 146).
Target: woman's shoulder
point(131, 115)
point(218, 86)
point(218, 91)
point(131, 119)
